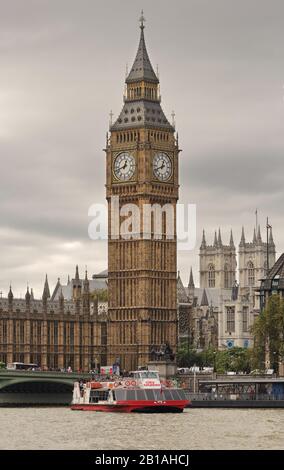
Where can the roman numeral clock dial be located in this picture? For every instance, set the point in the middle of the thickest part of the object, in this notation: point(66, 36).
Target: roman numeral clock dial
point(124, 166)
point(162, 166)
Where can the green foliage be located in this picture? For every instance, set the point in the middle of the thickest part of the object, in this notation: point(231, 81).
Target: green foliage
point(268, 332)
point(188, 358)
point(2, 365)
point(235, 359)
point(100, 294)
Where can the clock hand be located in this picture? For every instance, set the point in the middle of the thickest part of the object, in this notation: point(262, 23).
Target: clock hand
point(123, 166)
point(160, 167)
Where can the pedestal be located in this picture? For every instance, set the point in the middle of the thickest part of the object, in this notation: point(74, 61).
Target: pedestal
point(166, 369)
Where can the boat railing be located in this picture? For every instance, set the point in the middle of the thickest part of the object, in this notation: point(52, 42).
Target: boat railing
point(233, 396)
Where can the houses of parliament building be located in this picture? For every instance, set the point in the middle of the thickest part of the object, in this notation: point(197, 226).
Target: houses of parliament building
point(54, 332)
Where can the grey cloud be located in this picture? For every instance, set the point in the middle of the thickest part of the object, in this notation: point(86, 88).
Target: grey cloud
point(61, 72)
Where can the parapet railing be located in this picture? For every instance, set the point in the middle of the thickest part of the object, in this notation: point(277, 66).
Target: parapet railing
point(233, 396)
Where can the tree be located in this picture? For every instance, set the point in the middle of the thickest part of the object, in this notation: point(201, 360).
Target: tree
point(234, 359)
point(268, 333)
point(188, 357)
point(101, 295)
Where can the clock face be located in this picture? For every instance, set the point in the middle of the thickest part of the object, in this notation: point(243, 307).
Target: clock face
point(162, 166)
point(124, 166)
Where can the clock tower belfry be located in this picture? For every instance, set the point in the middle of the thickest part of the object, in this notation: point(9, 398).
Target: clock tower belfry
point(142, 172)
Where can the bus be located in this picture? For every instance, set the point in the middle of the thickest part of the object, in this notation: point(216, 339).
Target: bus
point(21, 366)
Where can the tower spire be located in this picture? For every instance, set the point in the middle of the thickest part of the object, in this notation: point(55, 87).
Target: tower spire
point(191, 281)
point(219, 238)
point(259, 240)
point(46, 291)
point(142, 68)
point(215, 239)
point(243, 240)
point(232, 239)
point(141, 93)
point(203, 243)
point(254, 236)
point(86, 282)
point(28, 295)
point(10, 294)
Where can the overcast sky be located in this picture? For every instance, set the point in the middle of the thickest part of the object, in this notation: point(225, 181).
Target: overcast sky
point(62, 69)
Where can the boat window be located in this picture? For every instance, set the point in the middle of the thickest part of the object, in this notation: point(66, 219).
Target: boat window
point(120, 394)
point(181, 395)
point(98, 395)
point(140, 395)
point(130, 394)
point(152, 375)
point(150, 394)
point(149, 375)
point(168, 395)
point(175, 394)
point(158, 395)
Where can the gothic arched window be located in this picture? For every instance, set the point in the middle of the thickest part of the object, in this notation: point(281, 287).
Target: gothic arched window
point(251, 278)
point(226, 277)
point(211, 276)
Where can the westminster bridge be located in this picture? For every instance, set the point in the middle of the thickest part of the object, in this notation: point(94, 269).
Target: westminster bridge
point(37, 388)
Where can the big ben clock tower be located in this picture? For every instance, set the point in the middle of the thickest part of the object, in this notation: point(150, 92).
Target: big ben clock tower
point(142, 170)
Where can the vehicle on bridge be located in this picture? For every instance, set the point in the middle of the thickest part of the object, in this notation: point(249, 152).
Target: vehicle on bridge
point(142, 391)
point(21, 366)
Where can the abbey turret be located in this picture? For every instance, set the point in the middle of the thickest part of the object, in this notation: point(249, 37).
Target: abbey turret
point(217, 262)
point(253, 258)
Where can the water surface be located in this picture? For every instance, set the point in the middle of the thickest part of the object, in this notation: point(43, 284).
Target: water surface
point(61, 428)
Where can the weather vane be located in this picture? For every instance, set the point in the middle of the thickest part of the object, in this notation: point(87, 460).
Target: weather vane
point(110, 117)
point(173, 118)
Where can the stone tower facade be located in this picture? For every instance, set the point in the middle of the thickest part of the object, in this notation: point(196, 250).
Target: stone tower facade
point(142, 169)
point(253, 258)
point(217, 263)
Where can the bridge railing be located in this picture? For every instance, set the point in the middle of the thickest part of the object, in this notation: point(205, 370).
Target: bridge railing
point(233, 396)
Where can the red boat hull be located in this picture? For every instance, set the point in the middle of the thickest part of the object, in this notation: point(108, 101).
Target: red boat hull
point(136, 406)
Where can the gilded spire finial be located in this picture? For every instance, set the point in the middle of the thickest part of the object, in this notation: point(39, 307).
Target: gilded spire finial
point(110, 117)
point(173, 118)
point(142, 20)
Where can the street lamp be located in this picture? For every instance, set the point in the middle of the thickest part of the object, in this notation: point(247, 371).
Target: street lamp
point(274, 362)
point(194, 378)
point(214, 364)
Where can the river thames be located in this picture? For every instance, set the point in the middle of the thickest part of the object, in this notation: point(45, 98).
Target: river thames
point(61, 428)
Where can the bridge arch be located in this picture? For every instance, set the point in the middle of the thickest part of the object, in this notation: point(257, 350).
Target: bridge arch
point(36, 385)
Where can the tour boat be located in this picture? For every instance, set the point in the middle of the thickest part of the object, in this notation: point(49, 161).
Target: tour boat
point(142, 391)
